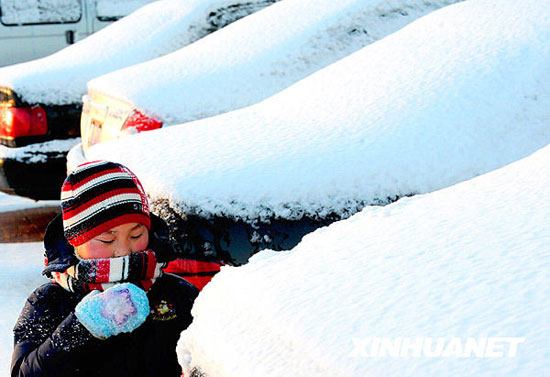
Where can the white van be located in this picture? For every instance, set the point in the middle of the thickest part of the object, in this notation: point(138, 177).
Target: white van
point(31, 29)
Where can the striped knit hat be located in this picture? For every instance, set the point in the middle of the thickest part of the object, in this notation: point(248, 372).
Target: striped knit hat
point(98, 196)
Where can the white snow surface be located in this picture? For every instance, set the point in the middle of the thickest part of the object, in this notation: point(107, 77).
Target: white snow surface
point(471, 260)
point(457, 93)
point(153, 30)
point(39, 152)
point(257, 56)
point(21, 273)
point(14, 203)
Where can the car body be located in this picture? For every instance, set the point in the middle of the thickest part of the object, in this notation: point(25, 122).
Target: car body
point(240, 65)
point(424, 108)
point(41, 100)
point(33, 29)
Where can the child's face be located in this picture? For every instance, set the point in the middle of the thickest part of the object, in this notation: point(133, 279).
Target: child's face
point(116, 242)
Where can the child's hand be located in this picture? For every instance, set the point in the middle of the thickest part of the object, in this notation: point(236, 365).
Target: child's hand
point(122, 308)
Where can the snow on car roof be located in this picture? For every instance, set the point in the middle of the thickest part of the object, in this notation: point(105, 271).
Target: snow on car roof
point(448, 97)
point(154, 30)
point(257, 56)
point(461, 271)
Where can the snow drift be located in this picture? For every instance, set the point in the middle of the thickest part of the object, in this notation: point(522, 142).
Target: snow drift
point(256, 57)
point(468, 261)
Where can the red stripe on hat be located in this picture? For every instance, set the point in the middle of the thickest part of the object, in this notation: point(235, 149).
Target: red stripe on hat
point(76, 185)
point(70, 212)
point(90, 233)
point(69, 186)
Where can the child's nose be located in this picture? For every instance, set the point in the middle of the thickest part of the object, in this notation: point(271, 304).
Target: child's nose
point(124, 248)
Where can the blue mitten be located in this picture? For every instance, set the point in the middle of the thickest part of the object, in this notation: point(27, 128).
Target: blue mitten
point(122, 308)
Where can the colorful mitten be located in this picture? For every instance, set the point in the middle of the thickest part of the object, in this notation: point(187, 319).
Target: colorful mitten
point(122, 308)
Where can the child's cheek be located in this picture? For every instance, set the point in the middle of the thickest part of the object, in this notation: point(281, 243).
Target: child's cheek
point(142, 243)
point(94, 250)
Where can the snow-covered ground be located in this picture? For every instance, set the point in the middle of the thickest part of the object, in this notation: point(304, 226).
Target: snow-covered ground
point(470, 262)
point(153, 30)
point(457, 93)
point(20, 274)
point(15, 203)
point(257, 56)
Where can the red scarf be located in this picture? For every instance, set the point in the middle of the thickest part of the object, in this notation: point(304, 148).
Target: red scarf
point(140, 268)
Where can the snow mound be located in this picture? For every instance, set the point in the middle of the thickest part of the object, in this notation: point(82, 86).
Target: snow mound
point(457, 93)
point(256, 57)
point(21, 273)
point(469, 261)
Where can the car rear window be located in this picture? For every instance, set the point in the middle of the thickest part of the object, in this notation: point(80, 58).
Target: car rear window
point(30, 12)
point(111, 10)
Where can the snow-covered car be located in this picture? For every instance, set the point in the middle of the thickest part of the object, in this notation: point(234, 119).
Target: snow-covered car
point(41, 100)
point(452, 283)
point(457, 93)
point(243, 64)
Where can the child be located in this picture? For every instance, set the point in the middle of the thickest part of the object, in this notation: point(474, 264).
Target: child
point(109, 309)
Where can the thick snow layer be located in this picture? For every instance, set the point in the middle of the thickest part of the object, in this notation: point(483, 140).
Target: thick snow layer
point(153, 30)
point(469, 261)
point(257, 57)
point(21, 273)
point(462, 91)
point(40, 152)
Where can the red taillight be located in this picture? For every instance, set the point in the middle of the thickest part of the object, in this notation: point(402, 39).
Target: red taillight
point(22, 121)
point(137, 122)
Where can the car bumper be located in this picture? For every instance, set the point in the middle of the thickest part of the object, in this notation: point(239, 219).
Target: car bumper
point(36, 171)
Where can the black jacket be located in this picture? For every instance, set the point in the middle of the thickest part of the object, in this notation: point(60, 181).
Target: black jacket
point(50, 341)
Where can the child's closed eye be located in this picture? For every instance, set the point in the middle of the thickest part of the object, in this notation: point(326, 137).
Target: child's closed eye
point(137, 236)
